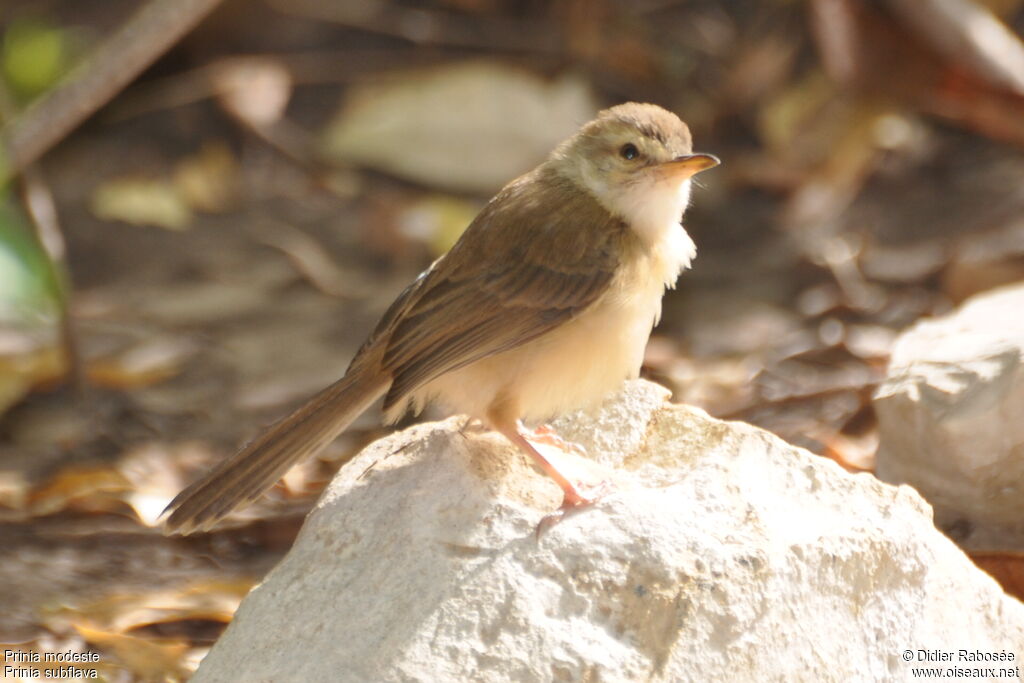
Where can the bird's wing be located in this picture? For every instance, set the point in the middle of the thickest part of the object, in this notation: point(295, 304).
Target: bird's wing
point(532, 260)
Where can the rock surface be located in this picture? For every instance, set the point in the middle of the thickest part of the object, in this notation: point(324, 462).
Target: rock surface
point(725, 555)
point(951, 418)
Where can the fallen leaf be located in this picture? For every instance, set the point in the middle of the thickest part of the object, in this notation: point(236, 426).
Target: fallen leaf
point(196, 302)
point(13, 490)
point(853, 453)
point(21, 372)
point(468, 127)
point(209, 180)
point(145, 364)
point(92, 488)
point(141, 201)
point(1005, 567)
point(123, 611)
point(148, 659)
point(986, 261)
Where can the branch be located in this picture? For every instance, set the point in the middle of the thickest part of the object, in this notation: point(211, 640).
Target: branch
point(138, 43)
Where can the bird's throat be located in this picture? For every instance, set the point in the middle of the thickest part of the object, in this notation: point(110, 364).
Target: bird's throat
point(653, 210)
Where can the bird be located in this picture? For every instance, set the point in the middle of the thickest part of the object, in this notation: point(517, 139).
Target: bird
point(543, 306)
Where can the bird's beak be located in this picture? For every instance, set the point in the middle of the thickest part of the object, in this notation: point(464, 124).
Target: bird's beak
point(690, 164)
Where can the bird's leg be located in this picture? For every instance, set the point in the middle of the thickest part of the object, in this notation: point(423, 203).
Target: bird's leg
point(545, 434)
point(575, 493)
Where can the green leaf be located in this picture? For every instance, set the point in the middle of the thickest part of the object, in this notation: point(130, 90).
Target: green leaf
point(30, 290)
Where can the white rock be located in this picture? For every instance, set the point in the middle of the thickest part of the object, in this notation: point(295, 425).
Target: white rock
point(951, 417)
point(726, 555)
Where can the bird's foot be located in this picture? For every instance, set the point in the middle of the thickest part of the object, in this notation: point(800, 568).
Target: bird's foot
point(575, 497)
point(582, 481)
point(576, 479)
point(578, 494)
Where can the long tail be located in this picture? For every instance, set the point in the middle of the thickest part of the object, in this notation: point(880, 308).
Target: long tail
point(244, 476)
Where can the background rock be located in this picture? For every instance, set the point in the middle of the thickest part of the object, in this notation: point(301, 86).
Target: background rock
point(726, 554)
point(951, 418)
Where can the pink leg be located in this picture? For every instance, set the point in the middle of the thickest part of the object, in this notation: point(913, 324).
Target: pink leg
point(575, 494)
point(546, 435)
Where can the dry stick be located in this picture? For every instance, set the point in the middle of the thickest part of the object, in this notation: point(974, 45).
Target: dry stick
point(42, 209)
point(144, 36)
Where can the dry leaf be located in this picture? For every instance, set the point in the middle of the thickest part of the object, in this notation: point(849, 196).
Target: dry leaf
point(209, 180)
point(141, 201)
point(150, 660)
point(986, 261)
point(123, 612)
point(192, 302)
point(21, 372)
point(13, 490)
point(468, 127)
point(149, 362)
point(92, 488)
point(853, 453)
point(1005, 567)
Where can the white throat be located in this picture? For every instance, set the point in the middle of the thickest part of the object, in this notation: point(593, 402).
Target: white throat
point(654, 209)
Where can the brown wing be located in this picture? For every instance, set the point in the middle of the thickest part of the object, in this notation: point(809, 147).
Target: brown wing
point(532, 260)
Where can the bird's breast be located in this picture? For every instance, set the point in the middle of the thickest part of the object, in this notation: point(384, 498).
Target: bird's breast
point(581, 361)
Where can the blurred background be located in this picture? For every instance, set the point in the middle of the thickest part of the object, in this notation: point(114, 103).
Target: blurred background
point(260, 179)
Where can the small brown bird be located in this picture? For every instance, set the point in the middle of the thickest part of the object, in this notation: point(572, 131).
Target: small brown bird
point(543, 306)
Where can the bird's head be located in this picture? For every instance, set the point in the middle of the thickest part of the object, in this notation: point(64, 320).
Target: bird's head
point(637, 160)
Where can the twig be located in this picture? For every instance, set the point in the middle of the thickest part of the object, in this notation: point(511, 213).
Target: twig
point(310, 259)
point(41, 208)
point(306, 68)
point(138, 43)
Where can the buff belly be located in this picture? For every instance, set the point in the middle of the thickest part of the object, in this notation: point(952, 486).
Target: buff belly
point(571, 367)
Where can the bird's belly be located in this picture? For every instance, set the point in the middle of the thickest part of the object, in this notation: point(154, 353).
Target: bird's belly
point(571, 367)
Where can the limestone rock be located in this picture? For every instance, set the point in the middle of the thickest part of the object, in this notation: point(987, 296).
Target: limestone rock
point(951, 416)
point(725, 555)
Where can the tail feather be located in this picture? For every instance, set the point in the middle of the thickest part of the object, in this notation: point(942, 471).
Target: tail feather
point(253, 469)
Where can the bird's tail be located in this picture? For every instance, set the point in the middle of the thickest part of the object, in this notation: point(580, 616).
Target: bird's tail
point(244, 476)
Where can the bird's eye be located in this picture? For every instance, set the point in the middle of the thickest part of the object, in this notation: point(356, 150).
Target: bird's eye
point(629, 151)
